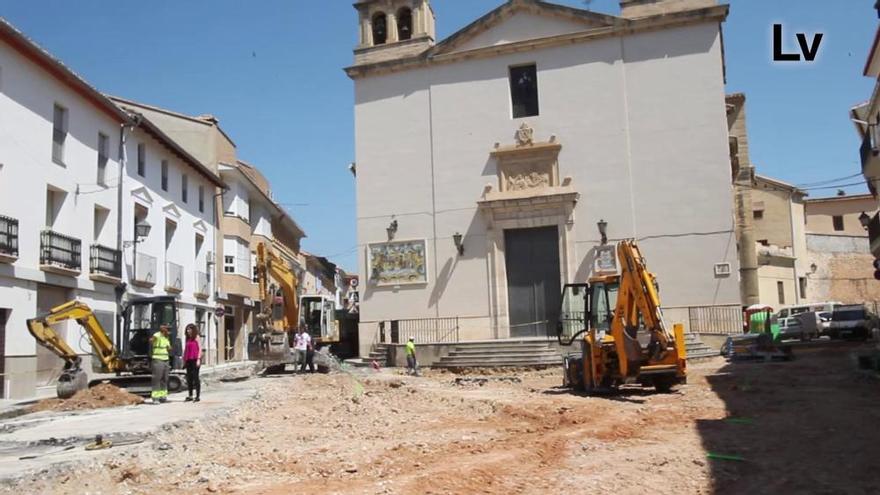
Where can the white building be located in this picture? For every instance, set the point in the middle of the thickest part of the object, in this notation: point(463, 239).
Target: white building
point(486, 160)
point(68, 210)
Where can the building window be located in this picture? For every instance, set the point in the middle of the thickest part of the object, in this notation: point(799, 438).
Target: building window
point(184, 188)
point(142, 160)
point(524, 90)
point(54, 201)
point(201, 199)
point(780, 292)
point(200, 241)
point(236, 256)
point(59, 133)
point(404, 24)
point(758, 214)
point(101, 216)
point(802, 281)
point(380, 30)
point(837, 220)
point(103, 157)
point(164, 175)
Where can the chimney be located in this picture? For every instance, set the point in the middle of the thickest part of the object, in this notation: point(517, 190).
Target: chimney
point(631, 9)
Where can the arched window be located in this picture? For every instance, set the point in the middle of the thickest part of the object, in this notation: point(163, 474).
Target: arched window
point(380, 29)
point(404, 24)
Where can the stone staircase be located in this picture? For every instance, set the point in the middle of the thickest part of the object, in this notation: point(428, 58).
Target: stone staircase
point(378, 353)
point(501, 353)
point(696, 349)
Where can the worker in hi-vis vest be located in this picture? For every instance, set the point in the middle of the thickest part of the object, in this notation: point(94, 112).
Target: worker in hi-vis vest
point(412, 366)
point(160, 353)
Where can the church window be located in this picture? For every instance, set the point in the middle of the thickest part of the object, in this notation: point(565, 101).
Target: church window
point(404, 24)
point(524, 90)
point(380, 31)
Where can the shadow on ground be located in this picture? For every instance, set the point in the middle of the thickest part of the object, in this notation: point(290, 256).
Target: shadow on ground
point(811, 425)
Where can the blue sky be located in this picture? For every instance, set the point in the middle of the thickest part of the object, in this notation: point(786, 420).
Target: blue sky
point(271, 70)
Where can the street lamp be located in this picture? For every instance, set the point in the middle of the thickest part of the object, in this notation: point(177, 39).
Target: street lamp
point(865, 220)
point(603, 231)
point(456, 238)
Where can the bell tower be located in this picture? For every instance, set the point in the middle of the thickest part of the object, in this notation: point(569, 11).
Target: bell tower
point(393, 29)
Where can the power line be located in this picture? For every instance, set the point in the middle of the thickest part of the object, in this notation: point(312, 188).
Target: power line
point(828, 181)
point(838, 186)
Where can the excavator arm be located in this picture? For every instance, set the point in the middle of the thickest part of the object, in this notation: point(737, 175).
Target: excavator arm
point(269, 264)
point(638, 304)
point(41, 329)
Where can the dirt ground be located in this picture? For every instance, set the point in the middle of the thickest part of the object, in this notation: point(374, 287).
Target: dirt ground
point(807, 426)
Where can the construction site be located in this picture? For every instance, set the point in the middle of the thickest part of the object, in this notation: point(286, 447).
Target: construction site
point(555, 266)
point(733, 428)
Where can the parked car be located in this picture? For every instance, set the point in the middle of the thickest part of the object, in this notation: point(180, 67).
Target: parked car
point(852, 321)
point(791, 328)
point(811, 325)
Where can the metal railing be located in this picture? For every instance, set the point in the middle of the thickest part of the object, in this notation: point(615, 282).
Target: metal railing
point(422, 330)
point(202, 284)
point(145, 271)
point(173, 276)
point(8, 236)
point(60, 250)
point(719, 320)
point(105, 261)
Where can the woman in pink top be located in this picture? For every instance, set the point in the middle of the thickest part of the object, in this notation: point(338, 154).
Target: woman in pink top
point(192, 361)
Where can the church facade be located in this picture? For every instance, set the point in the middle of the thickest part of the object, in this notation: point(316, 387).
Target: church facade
point(486, 161)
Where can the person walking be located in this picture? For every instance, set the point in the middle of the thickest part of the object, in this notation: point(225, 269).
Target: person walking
point(412, 366)
point(192, 361)
point(309, 352)
point(160, 352)
point(300, 349)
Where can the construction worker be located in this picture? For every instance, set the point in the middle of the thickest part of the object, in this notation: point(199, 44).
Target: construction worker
point(412, 366)
point(160, 352)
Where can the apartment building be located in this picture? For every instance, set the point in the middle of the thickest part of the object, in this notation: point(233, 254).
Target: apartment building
point(866, 117)
point(78, 174)
point(246, 215)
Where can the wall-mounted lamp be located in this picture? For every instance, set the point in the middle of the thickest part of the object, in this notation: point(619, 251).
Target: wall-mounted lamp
point(865, 220)
point(603, 231)
point(391, 230)
point(813, 268)
point(142, 229)
point(456, 238)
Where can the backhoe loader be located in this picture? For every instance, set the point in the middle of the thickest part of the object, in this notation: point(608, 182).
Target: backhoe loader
point(624, 337)
point(130, 362)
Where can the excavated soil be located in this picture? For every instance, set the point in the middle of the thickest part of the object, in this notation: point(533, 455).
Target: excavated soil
point(807, 426)
point(97, 397)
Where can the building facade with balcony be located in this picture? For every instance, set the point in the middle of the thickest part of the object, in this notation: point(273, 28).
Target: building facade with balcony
point(59, 168)
point(245, 214)
point(866, 117)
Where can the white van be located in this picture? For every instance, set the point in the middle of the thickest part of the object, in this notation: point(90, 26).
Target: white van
point(820, 307)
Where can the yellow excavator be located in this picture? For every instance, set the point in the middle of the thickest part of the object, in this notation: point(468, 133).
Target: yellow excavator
point(279, 312)
point(130, 362)
point(624, 339)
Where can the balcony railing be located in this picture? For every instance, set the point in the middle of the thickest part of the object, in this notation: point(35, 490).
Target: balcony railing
point(60, 251)
point(145, 270)
point(422, 330)
point(173, 277)
point(8, 237)
point(105, 262)
point(202, 285)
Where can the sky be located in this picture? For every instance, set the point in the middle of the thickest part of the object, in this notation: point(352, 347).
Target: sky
point(271, 71)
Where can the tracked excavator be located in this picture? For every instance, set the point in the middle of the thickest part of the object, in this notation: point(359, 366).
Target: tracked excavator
point(617, 320)
point(283, 311)
point(130, 362)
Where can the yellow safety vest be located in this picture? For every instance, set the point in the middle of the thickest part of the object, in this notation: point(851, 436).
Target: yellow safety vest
point(161, 347)
point(410, 349)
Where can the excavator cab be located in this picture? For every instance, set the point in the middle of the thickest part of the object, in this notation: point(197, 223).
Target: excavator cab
point(142, 318)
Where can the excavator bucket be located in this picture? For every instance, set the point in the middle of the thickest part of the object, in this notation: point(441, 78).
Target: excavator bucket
point(269, 346)
point(70, 382)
